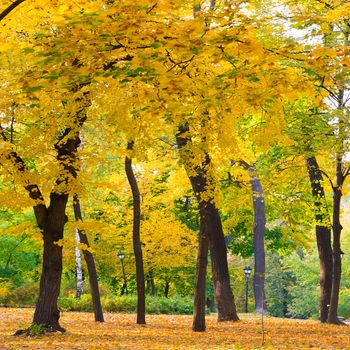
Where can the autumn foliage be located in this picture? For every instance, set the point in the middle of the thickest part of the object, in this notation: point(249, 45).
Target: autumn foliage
point(232, 118)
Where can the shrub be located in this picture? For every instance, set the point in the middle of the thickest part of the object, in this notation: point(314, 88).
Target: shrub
point(128, 304)
point(36, 329)
point(5, 288)
point(25, 295)
point(344, 303)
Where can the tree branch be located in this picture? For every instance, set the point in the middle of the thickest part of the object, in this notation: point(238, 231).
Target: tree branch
point(329, 179)
point(4, 13)
point(33, 190)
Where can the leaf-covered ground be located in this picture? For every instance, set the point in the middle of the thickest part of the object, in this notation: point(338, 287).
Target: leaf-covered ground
point(171, 332)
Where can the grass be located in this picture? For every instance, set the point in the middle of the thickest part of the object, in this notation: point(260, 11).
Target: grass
point(171, 332)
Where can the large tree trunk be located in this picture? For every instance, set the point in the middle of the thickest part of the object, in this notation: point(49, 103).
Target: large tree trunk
point(140, 277)
point(198, 324)
point(337, 228)
point(51, 222)
point(90, 263)
point(259, 249)
point(323, 236)
point(210, 220)
point(46, 311)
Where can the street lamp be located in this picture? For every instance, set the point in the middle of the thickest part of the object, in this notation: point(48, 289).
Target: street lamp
point(341, 254)
point(247, 271)
point(121, 256)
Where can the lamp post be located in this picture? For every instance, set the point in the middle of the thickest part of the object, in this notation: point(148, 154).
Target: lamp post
point(121, 256)
point(247, 271)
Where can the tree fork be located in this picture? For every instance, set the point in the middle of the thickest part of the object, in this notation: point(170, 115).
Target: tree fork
point(211, 221)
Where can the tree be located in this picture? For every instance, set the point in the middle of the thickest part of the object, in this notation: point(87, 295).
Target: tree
point(51, 219)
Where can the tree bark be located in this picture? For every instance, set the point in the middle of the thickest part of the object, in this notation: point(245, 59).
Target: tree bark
point(166, 289)
point(337, 228)
point(259, 249)
point(46, 311)
point(198, 324)
point(140, 276)
point(90, 263)
point(323, 236)
point(78, 268)
point(222, 289)
point(210, 226)
point(151, 281)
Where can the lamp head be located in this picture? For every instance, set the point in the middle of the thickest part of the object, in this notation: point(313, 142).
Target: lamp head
point(247, 271)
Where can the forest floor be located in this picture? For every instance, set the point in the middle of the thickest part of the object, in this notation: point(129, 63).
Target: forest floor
point(171, 332)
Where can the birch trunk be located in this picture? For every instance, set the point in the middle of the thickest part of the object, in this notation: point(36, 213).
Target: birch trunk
point(79, 267)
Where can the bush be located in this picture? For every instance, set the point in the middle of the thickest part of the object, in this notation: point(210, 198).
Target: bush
point(70, 303)
point(175, 305)
point(344, 303)
point(110, 303)
point(25, 295)
point(5, 288)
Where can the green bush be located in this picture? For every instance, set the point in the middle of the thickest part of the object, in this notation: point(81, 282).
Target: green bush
point(110, 303)
point(70, 303)
point(344, 303)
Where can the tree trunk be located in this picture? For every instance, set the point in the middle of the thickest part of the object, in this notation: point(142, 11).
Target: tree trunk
point(323, 236)
point(46, 310)
point(90, 263)
point(78, 268)
point(52, 226)
point(211, 222)
point(140, 277)
point(337, 228)
point(166, 289)
point(198, 324)
point(222, 289)
point(259, 249)
point(151, 281)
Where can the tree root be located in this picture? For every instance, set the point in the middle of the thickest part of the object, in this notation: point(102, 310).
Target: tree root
point(39, 329)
